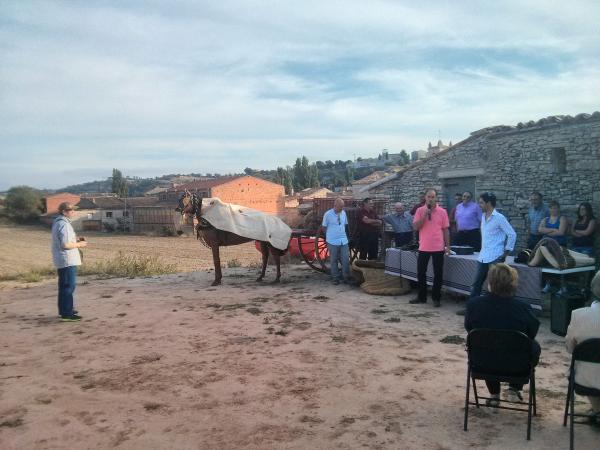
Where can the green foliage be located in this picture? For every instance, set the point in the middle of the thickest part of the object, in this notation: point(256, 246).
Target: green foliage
point(23, 203)
point(119, 184)
point(404, 158)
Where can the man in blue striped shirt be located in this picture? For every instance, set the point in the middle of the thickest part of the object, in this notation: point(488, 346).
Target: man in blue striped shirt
point(497, 239)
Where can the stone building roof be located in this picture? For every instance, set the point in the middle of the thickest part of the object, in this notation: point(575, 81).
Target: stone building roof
point(532, 124)
point(550, 121)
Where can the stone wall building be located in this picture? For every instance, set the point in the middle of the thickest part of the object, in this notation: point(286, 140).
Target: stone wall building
point(558, 156)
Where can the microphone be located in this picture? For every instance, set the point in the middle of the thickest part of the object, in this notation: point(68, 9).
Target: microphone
point(429, 211)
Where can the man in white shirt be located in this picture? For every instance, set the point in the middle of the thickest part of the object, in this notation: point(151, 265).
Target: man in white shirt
point(66, 258)
point(585, 324)
point(334, 224)
point(497, 240)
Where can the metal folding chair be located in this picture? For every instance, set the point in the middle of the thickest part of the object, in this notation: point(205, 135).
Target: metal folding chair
point(505, 356)
point(586, 351)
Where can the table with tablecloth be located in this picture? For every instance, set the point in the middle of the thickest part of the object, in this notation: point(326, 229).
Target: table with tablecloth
point(460, 272)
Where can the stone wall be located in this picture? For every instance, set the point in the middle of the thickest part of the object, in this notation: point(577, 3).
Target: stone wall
point(560, 158)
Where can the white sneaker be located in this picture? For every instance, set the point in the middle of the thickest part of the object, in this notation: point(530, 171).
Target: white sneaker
point(512, 395)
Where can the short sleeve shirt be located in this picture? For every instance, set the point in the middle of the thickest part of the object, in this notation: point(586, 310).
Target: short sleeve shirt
point(336, 227)
point(365, 227)
point(431, 234)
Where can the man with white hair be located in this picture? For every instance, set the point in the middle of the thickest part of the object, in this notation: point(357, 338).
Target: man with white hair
point(334, 225)
point(585, 324)
point(401, 222)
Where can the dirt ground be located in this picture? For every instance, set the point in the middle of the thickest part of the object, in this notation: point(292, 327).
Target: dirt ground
point(170, 362)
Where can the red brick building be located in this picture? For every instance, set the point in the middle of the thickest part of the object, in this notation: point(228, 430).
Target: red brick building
point(244, 190)
point(51, 202)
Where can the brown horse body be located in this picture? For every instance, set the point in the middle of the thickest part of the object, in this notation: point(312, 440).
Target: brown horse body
point(215, 238)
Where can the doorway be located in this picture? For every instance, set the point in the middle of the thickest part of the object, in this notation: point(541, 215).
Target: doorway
point(453, 186)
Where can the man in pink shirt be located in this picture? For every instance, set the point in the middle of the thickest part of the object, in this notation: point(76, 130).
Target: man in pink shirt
point(431, 221)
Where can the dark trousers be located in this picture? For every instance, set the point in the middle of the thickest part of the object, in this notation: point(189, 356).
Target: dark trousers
point(67, 280)
point(494, 386)
point(403, 238)
point(533, 240)
point(369, 246)
point(438, 274)
point(469, 237)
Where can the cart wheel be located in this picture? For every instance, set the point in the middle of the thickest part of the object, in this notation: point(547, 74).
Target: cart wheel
point(353, 254)
point(306, 247)
point(321, 251)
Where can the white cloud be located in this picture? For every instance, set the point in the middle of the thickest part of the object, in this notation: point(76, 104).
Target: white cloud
point(202, 86)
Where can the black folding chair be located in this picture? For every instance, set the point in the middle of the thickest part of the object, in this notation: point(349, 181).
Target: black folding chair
point(586, 351)
point(505, 356)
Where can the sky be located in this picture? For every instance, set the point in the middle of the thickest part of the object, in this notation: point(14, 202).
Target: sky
point(158, 87)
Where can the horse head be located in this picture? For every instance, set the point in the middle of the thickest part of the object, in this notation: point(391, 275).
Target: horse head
point(189, 204)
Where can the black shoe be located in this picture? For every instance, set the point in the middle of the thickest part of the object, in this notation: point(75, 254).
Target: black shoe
point(461, 312)
point(71, 318)
point(75, 312)
point(437, 303)
point(415, 301)
point(336, 282)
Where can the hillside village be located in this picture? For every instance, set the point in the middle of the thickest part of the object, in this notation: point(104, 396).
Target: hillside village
point(557, 155)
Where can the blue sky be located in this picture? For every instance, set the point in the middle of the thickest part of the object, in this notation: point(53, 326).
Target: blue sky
point(154, 87)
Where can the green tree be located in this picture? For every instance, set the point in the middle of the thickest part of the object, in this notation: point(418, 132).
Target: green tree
point(119, 184)
point(404, 158)
point(23, 203)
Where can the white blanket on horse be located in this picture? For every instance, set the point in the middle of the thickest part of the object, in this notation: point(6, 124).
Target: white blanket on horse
point(246, 222)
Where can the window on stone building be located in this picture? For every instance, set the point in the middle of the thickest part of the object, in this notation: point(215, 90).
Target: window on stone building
point(108, 214)
point(559, 160)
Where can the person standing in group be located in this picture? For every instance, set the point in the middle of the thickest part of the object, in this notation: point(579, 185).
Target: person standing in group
point(66, 258)
point(334, 225)
point(420, 203)
point(452, 215)
point(416, 206)
point(401, 221)
point(431, 221)
point(369, 226)
point(468, 221)
point(497, 239)
point(536, 213)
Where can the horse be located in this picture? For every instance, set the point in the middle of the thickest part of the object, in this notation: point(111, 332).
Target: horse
point(213, 238)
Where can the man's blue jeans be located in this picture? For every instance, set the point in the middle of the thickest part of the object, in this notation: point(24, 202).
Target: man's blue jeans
point(67, 279)
point(339, 252)
point(482, 271)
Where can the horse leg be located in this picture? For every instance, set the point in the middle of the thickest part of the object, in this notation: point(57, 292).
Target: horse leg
point(264, 251)
point(277, 256)
point(217, 262)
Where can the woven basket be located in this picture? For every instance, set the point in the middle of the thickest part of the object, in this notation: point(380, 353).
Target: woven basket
point(376, 281)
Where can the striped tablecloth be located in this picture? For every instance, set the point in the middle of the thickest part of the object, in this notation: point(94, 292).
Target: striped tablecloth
point(460, 271)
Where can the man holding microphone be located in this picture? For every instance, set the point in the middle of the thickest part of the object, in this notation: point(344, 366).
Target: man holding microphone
point(431, 221)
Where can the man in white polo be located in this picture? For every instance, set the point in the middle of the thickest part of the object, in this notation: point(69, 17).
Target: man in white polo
point(334, 225)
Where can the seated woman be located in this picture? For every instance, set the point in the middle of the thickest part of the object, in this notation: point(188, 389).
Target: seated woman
point(499, 310)
point(554, 226)
point(585, 324)
point(583, 230)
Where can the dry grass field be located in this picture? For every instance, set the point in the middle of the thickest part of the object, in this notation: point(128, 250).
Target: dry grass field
point(27, 247)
